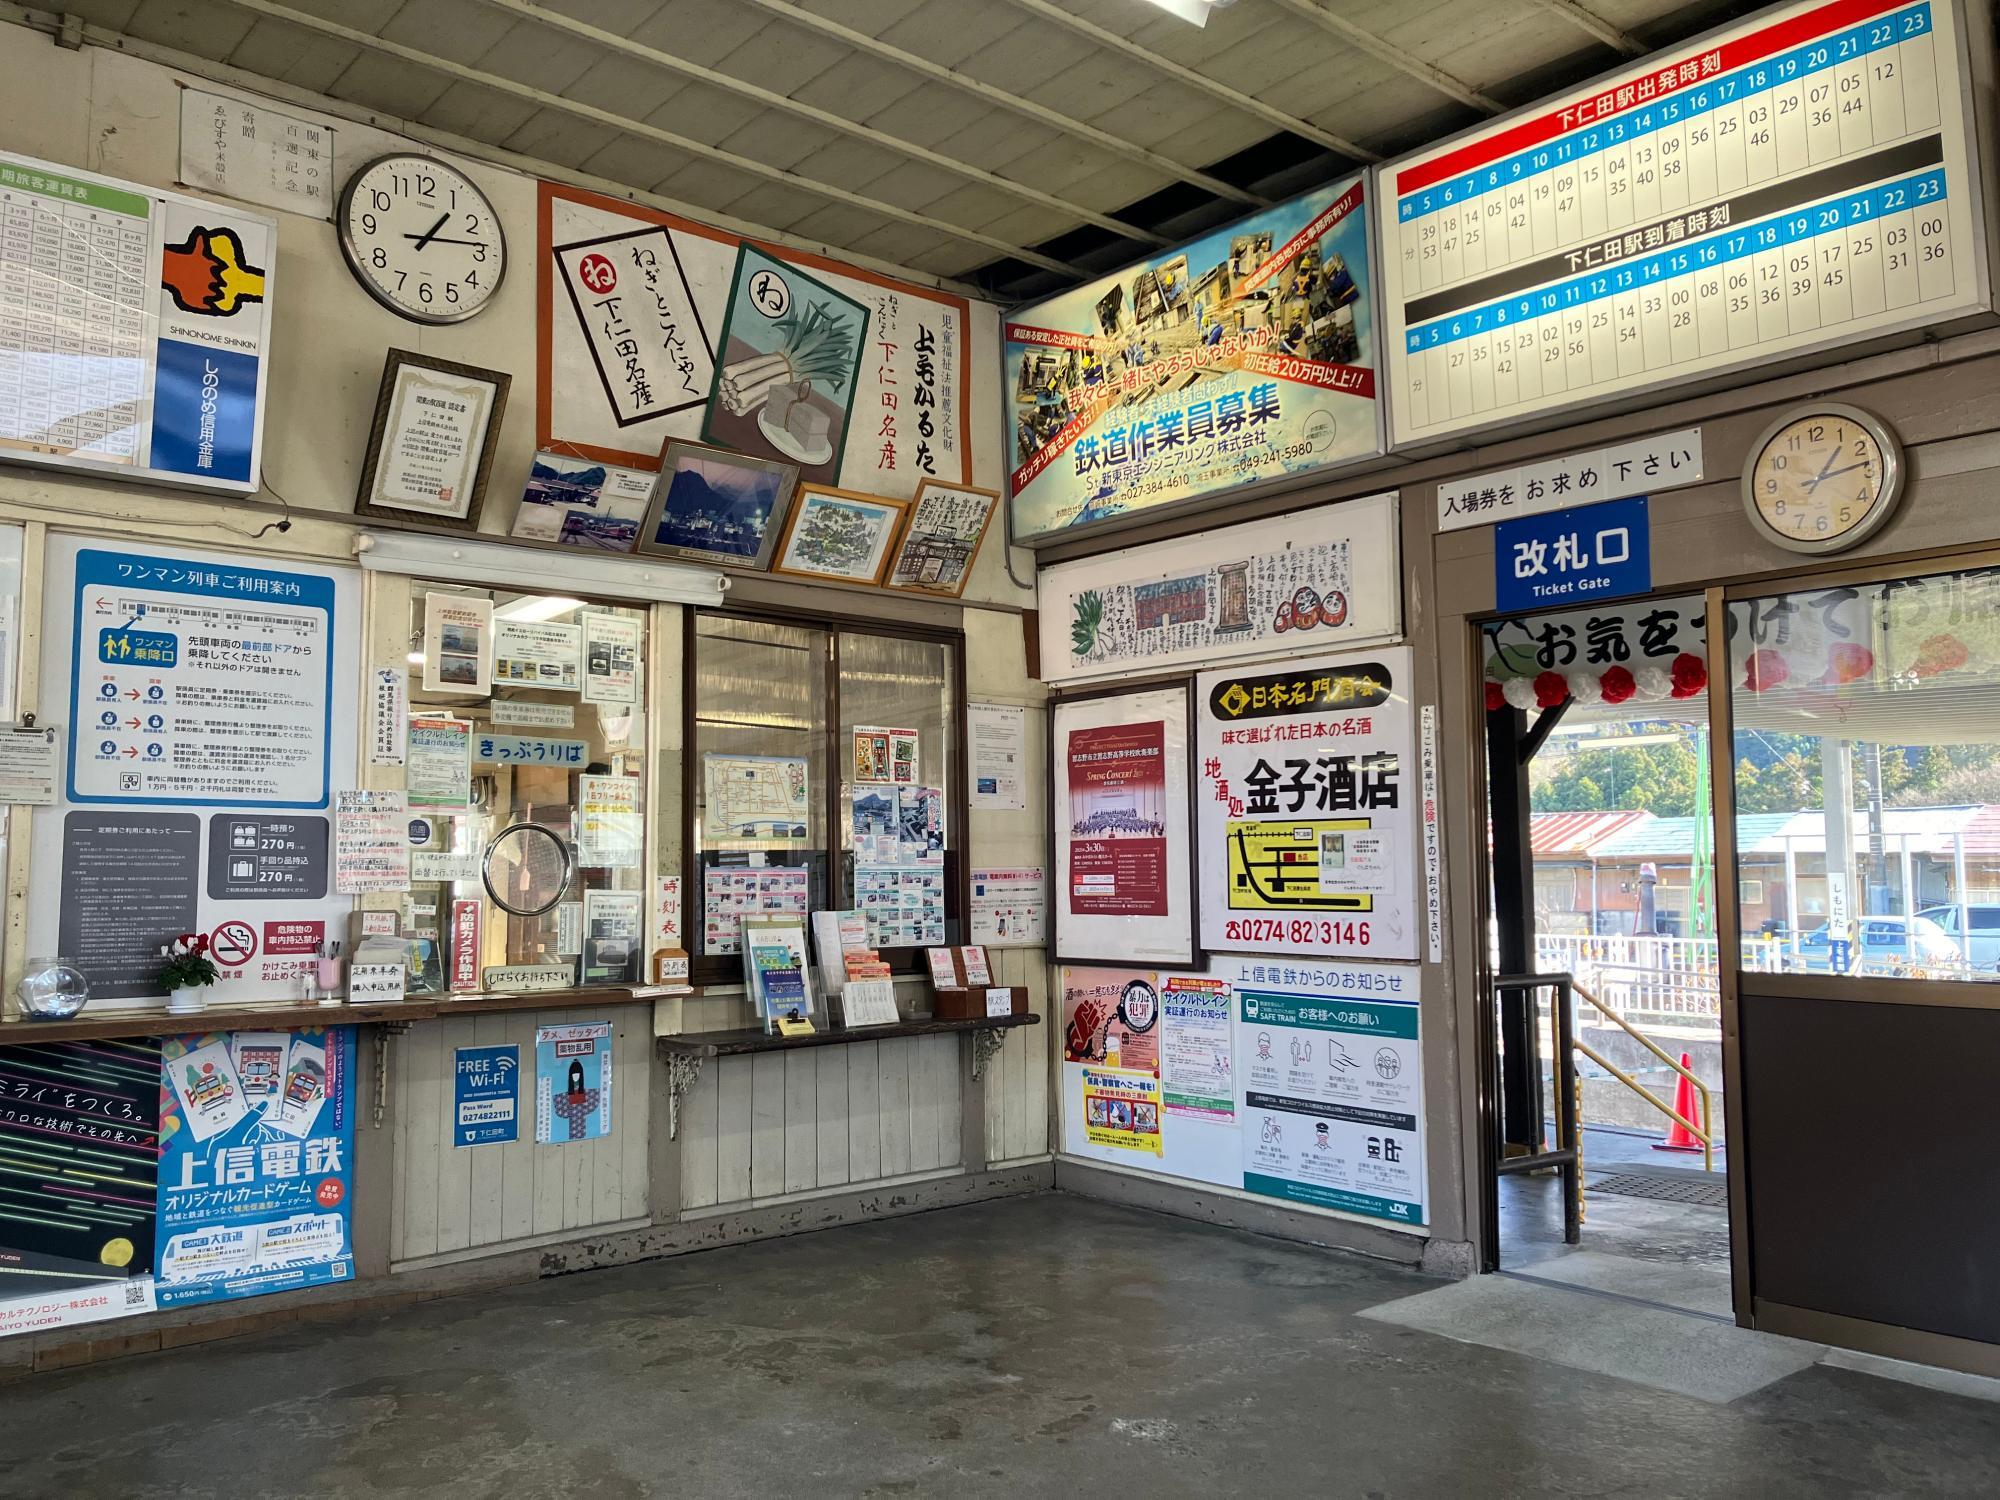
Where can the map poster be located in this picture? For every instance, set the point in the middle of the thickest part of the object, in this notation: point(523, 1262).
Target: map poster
point(1239, 358)
point(755, 797)
point(1307, 807)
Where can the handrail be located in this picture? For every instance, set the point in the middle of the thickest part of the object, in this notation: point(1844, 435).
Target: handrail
point(1705, 1132)
point(1567, 1157)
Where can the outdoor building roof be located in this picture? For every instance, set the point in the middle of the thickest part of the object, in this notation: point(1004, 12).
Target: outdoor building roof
point(1930, 830)
point(1575, 835)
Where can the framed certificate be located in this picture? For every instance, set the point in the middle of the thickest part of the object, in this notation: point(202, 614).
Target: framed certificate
point(431, 446)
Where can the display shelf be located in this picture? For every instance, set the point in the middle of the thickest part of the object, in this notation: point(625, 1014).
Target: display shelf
point(154, 1021)
point(707, 1044)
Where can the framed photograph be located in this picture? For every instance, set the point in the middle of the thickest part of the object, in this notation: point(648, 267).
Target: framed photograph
point(839, 535)
point(579, 502)
point(431, 447)
point(947, 524)
point(1124, 843)
point(715, 506)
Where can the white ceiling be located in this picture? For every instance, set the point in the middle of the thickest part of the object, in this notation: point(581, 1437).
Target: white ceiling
point(1010, 143)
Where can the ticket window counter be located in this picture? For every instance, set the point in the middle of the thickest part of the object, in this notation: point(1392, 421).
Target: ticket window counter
point(526, 781)
point(1870, 1228)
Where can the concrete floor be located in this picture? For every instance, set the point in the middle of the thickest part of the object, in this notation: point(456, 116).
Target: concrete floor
point(1038, 1346)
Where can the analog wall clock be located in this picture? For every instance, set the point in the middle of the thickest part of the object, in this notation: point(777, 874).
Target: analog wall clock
point(421, 238)
point(1823, 478)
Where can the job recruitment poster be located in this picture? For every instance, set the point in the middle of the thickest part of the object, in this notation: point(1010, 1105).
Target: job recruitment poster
point(196, 694)
point(1306, 805)
point(1244, 356)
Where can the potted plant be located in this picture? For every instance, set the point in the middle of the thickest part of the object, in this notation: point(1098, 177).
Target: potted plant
point(187, 972)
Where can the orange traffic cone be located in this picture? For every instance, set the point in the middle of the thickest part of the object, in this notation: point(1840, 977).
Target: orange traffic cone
point(1679, 1137)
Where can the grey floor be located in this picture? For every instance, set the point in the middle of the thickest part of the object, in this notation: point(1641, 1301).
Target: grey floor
point(1039, 1346)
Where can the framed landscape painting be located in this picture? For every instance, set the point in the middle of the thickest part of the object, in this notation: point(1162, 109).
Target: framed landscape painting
point(840, 535)
point(715, 506)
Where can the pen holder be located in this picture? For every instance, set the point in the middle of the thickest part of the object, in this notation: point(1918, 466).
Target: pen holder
point(329, 976)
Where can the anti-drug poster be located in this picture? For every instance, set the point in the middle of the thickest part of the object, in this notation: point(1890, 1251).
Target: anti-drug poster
point(1306, 805)
point(1121, 819)
point(573, 1082)
point(256, 1163)
point(1245, 356)
point(1329, 1086)
point(197, 695)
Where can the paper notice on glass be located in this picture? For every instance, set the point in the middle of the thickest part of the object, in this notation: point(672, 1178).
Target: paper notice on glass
point(30, 766)
point(610, 658)
point(388, 715)
point(458, 644)
point(997, 735)
point(440, 766)
point(534, 653)
point(569, 929)
point(371, 841)
point(509, 713)
point(610, 833)
point(1009, 907)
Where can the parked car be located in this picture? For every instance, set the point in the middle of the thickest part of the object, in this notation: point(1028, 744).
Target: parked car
point(1978, 940)
point(1885, 945)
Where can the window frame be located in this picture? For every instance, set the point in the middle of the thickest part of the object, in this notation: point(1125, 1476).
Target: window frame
point(722, 970)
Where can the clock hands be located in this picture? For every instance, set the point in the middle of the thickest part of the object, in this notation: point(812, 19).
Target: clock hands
point(440, 239)
point(1814, 483)
point(430, 234)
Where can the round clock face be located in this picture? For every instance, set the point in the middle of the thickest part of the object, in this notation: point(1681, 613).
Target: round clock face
point(422, 238)
point(1824, 479)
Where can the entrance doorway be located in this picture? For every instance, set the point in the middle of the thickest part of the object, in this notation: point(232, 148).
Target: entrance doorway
point(1609, 1152)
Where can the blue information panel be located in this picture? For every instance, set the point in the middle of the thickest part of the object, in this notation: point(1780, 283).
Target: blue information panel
point(1573, 556)
point(486, 1088)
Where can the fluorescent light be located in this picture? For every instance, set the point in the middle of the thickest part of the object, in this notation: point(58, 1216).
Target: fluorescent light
point(416, 658)
point(530, 570)
point(533, 609)
point(1188, 10)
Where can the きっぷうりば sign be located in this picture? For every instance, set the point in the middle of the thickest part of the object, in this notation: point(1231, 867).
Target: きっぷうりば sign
point(1573, 556)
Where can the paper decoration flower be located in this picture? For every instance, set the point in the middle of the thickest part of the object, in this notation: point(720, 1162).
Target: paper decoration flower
point(1616, 685)
point(1848, 662)
point(1550, 689)
point(1584, 687)
point(1496, 697)
point(1940, 653)
point(1519, 692)
point(1764, 670)
point(1690, 675)
point(1651, 684)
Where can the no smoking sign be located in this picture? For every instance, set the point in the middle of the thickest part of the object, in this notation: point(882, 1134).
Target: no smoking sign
point(234, 944)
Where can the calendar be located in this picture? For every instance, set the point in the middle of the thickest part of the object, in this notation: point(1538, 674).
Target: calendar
point(132, 328)
point(1793, 183)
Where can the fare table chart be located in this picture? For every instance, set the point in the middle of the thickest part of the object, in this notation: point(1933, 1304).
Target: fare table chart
point(1798, 180)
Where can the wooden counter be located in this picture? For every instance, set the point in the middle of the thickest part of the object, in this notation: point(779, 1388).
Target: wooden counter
point(154, 1021)
point(707, 1044)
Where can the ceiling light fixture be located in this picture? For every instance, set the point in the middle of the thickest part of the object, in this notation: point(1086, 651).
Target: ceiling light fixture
point(1190, 10)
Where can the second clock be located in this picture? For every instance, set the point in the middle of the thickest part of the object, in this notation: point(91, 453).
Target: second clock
point(421, 238)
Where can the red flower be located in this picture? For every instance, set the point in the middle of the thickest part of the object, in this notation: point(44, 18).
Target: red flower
point(1764, 670)
point(1496, 698)
point(1550, 689)
point(1617, 684)
point(1847, 662)
point(1690, 674)
point(1940, 653)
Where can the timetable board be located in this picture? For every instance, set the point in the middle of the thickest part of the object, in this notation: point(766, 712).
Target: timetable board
point(1797, 181)
point(134, 327)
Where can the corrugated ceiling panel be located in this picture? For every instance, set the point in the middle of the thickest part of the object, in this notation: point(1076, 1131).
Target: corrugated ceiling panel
point(291, 54)
point(459, 30)
point(174, 23)
point(931, 114)
point(950, 31)
point(112, 13)
point(553, 136)
point(783, 58)
point(705, 31)
point(482, 114)
point(390, 84)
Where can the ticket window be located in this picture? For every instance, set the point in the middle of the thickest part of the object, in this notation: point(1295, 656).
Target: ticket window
point(823, 776)
point(525, 774)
